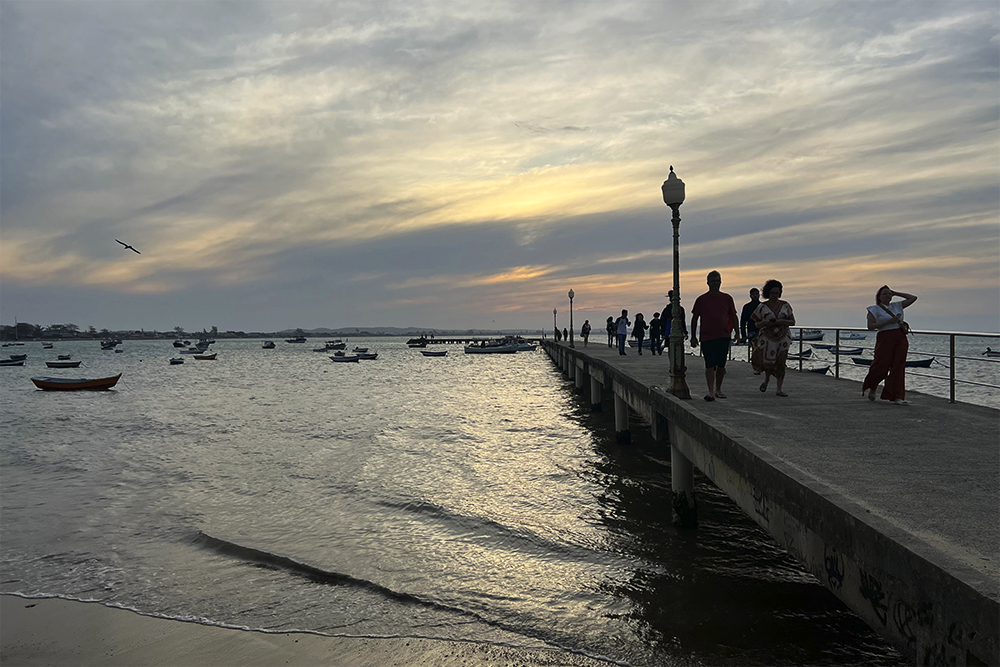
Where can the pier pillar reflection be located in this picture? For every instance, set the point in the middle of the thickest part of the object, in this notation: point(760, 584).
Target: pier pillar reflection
point(595, 394)
point(685, 507)
point(621, 421)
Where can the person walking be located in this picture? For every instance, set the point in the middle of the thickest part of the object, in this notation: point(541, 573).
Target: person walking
point(621, 330)
point(610, 326)
point(748, 328)
point(772, 320)
point(656, 335)
point(717, 313)
point(891, 346)
point(668, 318)
point(639, 330)
point(585, 332)
point(565, 333)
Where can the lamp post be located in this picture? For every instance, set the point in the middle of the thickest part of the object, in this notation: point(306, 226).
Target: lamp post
point(673, 196)
point(555, 325)
point(571, 295)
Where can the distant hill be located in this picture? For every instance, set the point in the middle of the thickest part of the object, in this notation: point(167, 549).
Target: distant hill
point(400, 331)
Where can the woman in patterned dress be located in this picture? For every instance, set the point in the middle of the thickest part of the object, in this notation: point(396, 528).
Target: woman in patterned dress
point(773, 318)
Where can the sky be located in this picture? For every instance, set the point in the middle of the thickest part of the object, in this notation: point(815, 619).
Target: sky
point(456, 165)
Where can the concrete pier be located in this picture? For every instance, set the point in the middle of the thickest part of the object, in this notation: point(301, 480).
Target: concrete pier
point(893, 508)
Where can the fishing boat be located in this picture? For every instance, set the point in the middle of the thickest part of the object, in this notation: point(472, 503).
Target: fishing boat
point(910, 363)
point(11, 362)
point(206, 357)
point(297, 339)
point(18, 357)
point(368, 355)
point(345, 357)
point(434, 353)
point(176, 360)
point(336, 344)
point(491, 349)
point(421, 343)
point(78, 384)
point(811, 334)
point(62, 364)
point(360, 350)
point(179, 343)
point(63, 357)
point(268, 345)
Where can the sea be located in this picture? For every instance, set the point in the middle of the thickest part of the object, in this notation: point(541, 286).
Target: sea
point(466, 498)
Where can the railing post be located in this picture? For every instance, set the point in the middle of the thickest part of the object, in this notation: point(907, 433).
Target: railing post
point(800, 350)
point(836, 356)
point(952, 370)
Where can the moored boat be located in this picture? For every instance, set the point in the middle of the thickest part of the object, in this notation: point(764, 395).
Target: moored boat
point(360, 350)
point(852, 335)
point(206, 357)
point(62, 364)
point(297, 339)
point(179, 343)
point(11, 362)
point(810, 334)
point(336, 345)
point(75, 384)
point(47, 346)
point(421, 343)
point(191, 350)
point(18, 357)
point(176, 360)
point(990, 352)
point(910, 363)
point(345, 357)
point(63, 357)
point(368, 355)
point(434, 353)
point(268, 345)
point(491, 349)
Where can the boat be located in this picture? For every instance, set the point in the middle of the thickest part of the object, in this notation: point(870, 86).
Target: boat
point(268, 345)
point(77, 384)
point(805, 355)
point(852, 335)
point(179, 343)
point(491, 349)
point(62, 364)
point(821, 371)
point(297, 339)
point(110, 344)
point(991, 353)
point(526, 347)
point(176, 360)
point(117, 350)
point(434, 353)
point(810, 334)
point(206, 357)
point(191, 350)
point(336, 345)
point(910, 363)
point(844, 351)
point(321, 349)
point(345, 357)
point(47, 346)
point(11, 362)
point(421, 343)
point(360, 350)
point(368, 355)
point(18, 357)
point(63, 357)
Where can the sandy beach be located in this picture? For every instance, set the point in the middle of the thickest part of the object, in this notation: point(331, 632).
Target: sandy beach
point(57, 632)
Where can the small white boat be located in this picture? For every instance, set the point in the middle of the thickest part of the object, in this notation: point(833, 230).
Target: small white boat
point(852, 335)
point(268, 345)
point(336, 345)
point(526, 347)
point(434, 353)
point(368, 355)
point(347, 358)
point(490, 349)
point(810, 334)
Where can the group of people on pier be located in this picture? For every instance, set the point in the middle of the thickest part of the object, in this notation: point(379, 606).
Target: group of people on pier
point(765, 325)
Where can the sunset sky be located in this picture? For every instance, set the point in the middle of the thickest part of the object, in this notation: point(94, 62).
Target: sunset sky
point(463, 165)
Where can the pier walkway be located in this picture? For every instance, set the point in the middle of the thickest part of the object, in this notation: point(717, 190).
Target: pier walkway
point(896, 509)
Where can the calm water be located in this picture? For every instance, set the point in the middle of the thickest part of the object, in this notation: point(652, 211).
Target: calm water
point(465, 497)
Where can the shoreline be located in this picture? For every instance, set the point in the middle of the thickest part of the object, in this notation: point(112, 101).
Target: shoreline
point(57, 631)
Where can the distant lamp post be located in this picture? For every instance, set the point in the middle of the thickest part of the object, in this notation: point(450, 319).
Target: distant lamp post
point(673, 196)
point(571, 295)
point(555, 325)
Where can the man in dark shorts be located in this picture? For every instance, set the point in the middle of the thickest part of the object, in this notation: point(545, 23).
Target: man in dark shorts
point(717, 313)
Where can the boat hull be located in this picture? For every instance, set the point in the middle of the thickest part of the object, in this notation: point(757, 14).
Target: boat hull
point(206, 357)
point(495, 349)
point(11, 362)
point(347, 358)
point(915, 363)
point(434, 353)
point(62, 364)
point(79, 384)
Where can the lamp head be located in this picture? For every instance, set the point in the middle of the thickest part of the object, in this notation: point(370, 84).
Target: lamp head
point(571, 294)
point(673, 189)
point(554, 311)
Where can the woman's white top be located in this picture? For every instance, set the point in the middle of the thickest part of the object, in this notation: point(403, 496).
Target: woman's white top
point(883, 320)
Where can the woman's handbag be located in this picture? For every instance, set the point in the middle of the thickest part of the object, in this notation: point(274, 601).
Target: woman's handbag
point(903, 325)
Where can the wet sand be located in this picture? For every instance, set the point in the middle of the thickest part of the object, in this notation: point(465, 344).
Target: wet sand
point(56, 632)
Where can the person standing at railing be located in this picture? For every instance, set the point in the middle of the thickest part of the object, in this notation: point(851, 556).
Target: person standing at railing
point(770, 347)
point(886, 317)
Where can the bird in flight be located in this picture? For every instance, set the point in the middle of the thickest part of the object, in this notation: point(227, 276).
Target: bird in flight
point(129, 247)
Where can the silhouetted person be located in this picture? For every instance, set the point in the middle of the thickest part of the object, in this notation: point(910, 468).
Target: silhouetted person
point(656, 335)
point(770, 348)
point(585, 332)
point(621, 330)
point(639, 330)
point(717, 313)
point(610, 326)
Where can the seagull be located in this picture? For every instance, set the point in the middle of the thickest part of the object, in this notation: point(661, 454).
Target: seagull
point(129, 247)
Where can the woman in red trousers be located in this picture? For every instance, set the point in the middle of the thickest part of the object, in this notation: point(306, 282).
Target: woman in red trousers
point(886, 316)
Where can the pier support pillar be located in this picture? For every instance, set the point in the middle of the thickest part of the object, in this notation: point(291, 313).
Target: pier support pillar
point(621, 421)
point(685, 507)
point(570, 366)
point(580, 378)
point(658, 427)
point(595, 395)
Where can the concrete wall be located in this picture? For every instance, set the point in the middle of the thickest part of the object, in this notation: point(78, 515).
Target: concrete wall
point(930, 605)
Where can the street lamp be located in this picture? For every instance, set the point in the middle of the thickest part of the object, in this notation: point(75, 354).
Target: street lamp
point(673, 196)
point(571, 295)
point(555, 325)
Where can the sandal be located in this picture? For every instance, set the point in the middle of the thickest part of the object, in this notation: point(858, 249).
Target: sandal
point(710, 398)
point(719, 394)
point(763, 387)
point(781, 393)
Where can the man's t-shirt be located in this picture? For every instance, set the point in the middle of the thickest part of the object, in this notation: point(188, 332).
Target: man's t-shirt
point(713, 312)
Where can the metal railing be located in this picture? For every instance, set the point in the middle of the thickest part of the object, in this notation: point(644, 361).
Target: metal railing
point(801, 338)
